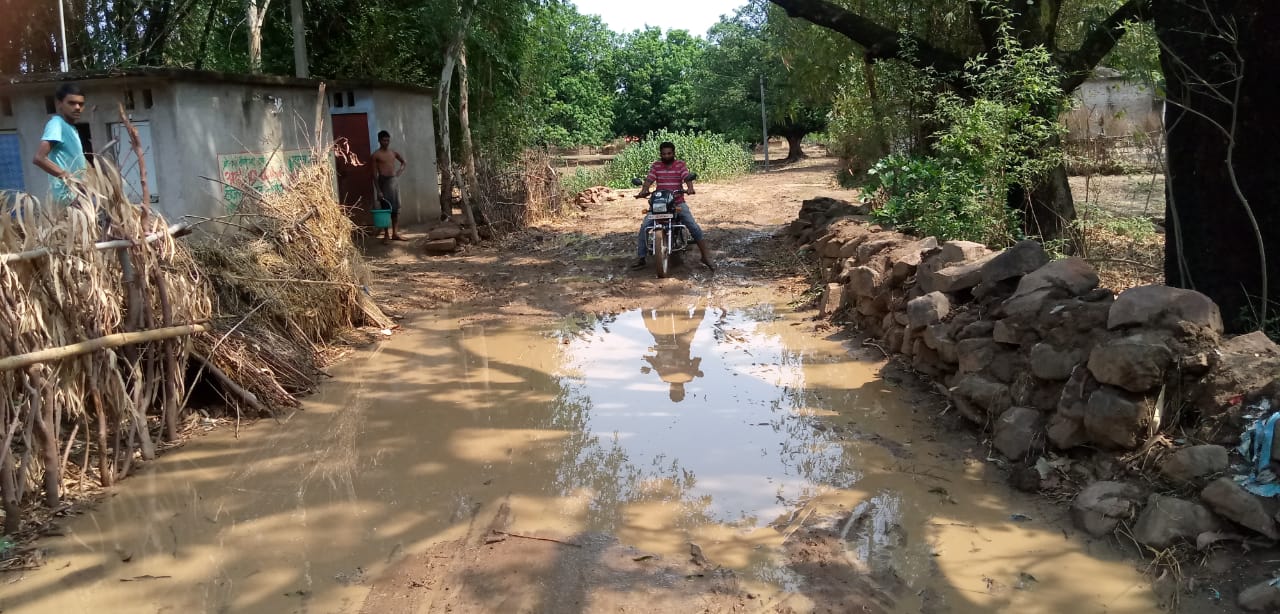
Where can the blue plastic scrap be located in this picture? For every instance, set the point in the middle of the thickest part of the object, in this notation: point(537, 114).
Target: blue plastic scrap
point(1255, 446)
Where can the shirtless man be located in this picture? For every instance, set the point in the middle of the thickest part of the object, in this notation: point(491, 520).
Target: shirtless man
point(384, 165)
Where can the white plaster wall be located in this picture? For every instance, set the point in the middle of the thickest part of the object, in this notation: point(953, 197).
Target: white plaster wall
point(409, 119)
point(1113, 107)
point(211, 119)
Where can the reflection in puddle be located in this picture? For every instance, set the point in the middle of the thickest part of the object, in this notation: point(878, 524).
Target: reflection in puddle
point(700, 406)
point(725, 428)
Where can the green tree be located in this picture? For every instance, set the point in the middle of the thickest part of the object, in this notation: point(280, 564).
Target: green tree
point(975, 36)
point(571, 66)
point(744, 52)
point(654, 80)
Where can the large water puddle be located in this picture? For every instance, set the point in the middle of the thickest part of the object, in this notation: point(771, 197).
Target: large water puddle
point(726, 428)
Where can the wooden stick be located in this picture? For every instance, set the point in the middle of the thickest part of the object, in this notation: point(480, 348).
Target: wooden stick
point(142, 161)
point(319, 125)
point(10, 363)
point(541, 539)
point(222, 377)
point(175, 230)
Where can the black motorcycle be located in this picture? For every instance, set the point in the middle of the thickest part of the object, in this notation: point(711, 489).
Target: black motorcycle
point(666, 237)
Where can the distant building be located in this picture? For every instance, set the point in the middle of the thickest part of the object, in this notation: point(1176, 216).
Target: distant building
point(200, 126)
point(1109, 105)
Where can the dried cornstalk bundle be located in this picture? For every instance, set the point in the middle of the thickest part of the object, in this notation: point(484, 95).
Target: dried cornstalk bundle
point(71, 315)
point(289, 266)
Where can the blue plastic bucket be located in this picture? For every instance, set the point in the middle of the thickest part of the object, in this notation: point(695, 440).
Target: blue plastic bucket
point(381, 218)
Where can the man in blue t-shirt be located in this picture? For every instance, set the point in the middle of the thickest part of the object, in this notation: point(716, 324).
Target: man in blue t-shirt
point(60, 153)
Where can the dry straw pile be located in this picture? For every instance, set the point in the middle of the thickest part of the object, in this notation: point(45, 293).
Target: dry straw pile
point(289, 267)
point(82, 395)
point(107, 321)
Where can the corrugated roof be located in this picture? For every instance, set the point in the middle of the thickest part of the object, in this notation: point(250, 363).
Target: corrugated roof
point(207, 76)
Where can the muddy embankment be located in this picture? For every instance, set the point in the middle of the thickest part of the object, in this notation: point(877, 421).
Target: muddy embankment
point(1135, 401)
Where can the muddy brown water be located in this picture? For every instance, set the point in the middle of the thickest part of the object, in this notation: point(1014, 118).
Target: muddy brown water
point(728, 428)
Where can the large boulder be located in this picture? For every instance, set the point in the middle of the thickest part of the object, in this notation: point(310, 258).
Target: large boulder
point(1167, 520)
point(956, 277)
point(1244, 364)
point(1194, 462)
point(962, 251)
point(1073, 275)
point(1016, 432)
point(1136, 363)
point(448, 229)
point(1227, 498)
point(1163, 306)
point(977, 397)
point(832, 299)
point(440, 246)
point(1051, 363)
point(931, 308)
point(977, 354)
point(1024, 257)
point(1102, 506)
point(1115, 420)
point(864, 281)
point(1261, 597)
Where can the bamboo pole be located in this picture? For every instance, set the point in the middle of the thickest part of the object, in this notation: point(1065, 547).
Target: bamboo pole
point(10, 363)
point(174, 230)
point(226, 380)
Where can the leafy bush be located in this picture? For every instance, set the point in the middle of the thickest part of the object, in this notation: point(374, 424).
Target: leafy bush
point(709, 155)
point(581, 179)
point(1005, 135)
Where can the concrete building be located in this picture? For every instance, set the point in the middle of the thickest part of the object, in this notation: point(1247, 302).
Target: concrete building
point(1110, 106)
point(202, 130)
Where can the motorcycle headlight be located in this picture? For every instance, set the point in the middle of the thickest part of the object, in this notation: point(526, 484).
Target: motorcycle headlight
point(659, 207)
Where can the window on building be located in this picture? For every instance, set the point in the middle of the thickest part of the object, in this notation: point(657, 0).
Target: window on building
point(337, 100)
point(147, 100)
point(351, 99)
point(128, 100)
point(6, 106)
point(49, 107)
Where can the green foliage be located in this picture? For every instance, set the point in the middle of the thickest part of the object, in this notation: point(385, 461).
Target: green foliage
point(745, 47)
point(582, 178)
point(655, 81)
point(711, 156)
point(1005, 135)
point(571, 65)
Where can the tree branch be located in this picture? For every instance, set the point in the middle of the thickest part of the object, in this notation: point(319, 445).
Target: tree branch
point(880, 42)
point(1101, 39)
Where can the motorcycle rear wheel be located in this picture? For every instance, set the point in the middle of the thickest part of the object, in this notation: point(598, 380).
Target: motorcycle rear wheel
point(661, 262)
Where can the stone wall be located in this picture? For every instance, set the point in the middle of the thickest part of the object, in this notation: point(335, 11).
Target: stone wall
point(1055, 367)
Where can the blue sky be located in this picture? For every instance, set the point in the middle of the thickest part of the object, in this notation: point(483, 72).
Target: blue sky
point(696, 16)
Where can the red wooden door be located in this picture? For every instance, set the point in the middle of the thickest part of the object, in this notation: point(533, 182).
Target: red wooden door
point(355, 171)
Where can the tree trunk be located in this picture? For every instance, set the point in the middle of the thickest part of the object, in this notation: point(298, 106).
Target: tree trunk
point(468, 147)
point(300, 67)
point(1223, 191)
point(204, 34)
point(1050, 210)
point(795, 146)
point(257, 16)
point(444, 92)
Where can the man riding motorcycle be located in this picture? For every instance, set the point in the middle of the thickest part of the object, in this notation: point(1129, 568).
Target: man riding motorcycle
point(670, 174)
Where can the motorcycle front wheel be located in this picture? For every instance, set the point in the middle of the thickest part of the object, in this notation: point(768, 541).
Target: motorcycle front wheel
point(661, 256)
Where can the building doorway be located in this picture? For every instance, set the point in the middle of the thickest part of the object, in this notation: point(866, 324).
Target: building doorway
point(355, 170)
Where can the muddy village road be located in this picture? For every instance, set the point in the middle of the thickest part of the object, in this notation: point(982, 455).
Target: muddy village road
point(551, 432)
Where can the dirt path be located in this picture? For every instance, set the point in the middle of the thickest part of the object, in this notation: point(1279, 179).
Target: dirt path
point(579, 266)
point(551, 432)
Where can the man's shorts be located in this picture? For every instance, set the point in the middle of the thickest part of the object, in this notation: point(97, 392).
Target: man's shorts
point(388, 193)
